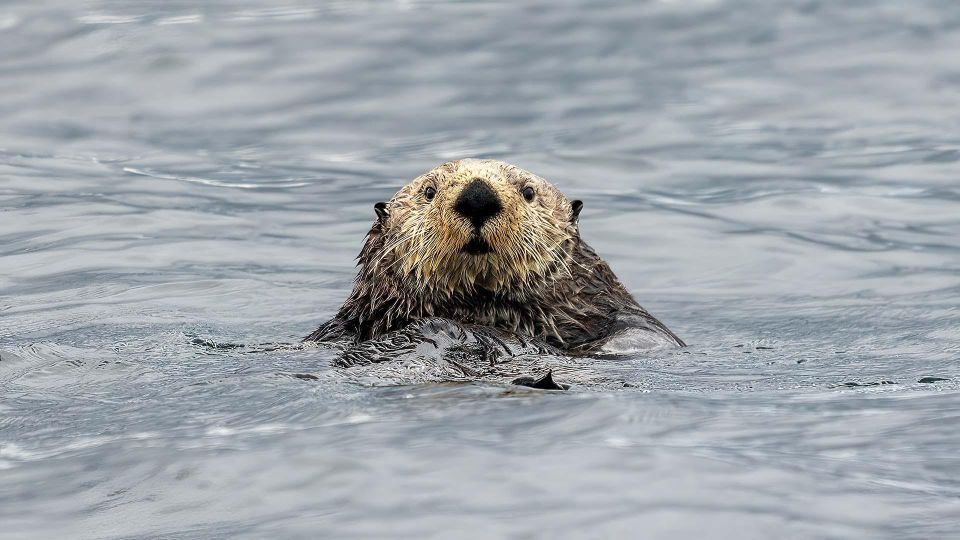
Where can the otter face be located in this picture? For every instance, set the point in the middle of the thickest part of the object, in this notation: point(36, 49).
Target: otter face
point(477, 224)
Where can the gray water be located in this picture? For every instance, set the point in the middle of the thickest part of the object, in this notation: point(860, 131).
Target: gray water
point(778, 181)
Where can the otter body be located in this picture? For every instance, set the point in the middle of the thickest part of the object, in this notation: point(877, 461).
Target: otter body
point(481, 242)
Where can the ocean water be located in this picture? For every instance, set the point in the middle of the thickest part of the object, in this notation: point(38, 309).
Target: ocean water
point(778, 181)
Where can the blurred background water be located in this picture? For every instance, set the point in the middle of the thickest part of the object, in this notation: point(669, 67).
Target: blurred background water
point(776, 180)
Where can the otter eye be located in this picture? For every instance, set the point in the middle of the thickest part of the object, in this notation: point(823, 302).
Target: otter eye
point(527, 193)
point(429, 193)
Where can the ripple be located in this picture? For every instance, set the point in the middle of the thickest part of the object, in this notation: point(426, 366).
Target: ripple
point(216, 183)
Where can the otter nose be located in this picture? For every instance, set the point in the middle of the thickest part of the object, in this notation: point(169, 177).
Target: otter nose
point(477, 202)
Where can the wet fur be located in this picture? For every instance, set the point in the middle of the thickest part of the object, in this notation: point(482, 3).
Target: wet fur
point(539, 280)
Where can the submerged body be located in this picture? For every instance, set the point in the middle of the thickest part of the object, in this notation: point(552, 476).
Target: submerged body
point(486, 244)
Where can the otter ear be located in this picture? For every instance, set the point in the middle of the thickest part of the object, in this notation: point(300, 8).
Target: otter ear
point(381, 209)
point(575, 207)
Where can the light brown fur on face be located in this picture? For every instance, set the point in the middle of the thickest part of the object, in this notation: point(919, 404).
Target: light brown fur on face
point(520, 267)
point(427, 237)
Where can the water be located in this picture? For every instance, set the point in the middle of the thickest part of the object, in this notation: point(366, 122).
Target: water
point(777, 181)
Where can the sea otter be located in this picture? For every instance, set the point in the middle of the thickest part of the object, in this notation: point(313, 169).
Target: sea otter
point(485, 244)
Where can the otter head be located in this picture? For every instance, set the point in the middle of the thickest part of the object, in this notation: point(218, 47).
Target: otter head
point(469, 226)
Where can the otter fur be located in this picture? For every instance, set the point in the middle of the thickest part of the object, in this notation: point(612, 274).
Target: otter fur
point(485, 243)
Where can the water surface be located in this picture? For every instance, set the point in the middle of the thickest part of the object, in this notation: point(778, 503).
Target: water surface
point(776, 180)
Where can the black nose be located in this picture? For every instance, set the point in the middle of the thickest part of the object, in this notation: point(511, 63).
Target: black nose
point(477, 202)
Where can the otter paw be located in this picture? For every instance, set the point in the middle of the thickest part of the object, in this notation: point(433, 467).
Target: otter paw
point(543, 383)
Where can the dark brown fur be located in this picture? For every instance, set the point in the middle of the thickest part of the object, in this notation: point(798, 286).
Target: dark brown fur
point(547, 284)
